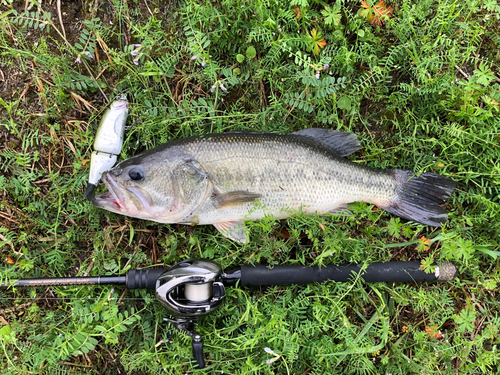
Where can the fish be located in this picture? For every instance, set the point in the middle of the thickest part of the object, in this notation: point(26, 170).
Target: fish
point(225, 179)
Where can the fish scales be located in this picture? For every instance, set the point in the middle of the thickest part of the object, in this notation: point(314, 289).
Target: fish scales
point(289, 173)
point(224, 179)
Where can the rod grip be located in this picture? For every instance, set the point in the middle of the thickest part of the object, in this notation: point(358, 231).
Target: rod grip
point(375, 272)
point(143, 279)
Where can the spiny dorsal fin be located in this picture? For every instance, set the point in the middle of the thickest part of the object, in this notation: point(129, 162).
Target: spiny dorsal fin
point(340, 142)
point(234, 198)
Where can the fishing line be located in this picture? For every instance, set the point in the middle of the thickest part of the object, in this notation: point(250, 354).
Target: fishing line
point(74, 298)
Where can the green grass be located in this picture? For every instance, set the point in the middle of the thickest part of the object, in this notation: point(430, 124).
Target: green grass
point(421, 92)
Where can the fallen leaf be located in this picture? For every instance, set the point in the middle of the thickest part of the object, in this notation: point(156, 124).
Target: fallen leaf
point(367, 12)
point(317, 42)
point(296, 11)
point(381, 12)
point(284, 233)
point(376, 15)
point(433, 332)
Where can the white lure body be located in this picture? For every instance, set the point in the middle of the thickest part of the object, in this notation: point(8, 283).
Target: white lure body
point(108, 141)
point(109, 136)
point(100, 162)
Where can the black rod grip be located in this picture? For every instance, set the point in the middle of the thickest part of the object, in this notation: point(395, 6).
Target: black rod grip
point(375, 272)
point(143, 279)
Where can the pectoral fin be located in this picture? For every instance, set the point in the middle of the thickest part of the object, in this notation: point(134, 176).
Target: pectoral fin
point(234, 230)
point(234, 198)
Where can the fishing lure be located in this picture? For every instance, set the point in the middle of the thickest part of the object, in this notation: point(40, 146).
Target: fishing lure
point(108, 142)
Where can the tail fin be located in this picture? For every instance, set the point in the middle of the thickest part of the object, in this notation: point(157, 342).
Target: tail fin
point(418, 198)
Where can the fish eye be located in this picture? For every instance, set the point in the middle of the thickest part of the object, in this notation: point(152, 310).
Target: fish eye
point(136, 174)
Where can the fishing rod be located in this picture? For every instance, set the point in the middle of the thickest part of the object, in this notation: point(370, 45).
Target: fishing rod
point(193, 288)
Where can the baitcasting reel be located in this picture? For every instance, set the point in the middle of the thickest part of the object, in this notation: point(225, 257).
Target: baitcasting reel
point(187, 290)
point(191, 288)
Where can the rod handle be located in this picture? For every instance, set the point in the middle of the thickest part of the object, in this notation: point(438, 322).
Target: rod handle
point(375, 272)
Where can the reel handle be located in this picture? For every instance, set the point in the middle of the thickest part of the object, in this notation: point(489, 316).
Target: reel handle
point(198, 351)
point(187, 326)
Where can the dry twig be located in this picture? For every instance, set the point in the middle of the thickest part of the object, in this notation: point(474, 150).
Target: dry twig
point(60, 17)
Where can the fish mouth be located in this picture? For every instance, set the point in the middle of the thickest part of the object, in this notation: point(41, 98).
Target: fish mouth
point(115, 200)
point(143, 198)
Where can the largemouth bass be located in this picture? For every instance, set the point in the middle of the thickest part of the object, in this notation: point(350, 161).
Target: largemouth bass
point(225, 179)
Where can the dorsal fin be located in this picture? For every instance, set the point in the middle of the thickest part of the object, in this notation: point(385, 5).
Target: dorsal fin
point(340, 142)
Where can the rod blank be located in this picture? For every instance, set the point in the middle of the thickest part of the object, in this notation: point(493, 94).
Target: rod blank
point(61, 281)
point(134, 279)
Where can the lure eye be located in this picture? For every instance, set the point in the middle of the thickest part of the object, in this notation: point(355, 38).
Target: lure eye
point(136, 174)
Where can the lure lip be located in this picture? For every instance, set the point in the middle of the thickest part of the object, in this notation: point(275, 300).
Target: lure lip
point(89, 193)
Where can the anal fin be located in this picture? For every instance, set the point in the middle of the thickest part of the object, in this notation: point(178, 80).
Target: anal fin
point(234, 230)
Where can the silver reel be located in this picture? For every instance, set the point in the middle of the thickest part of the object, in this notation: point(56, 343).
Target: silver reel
point(188, 290)
point(191, 288)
